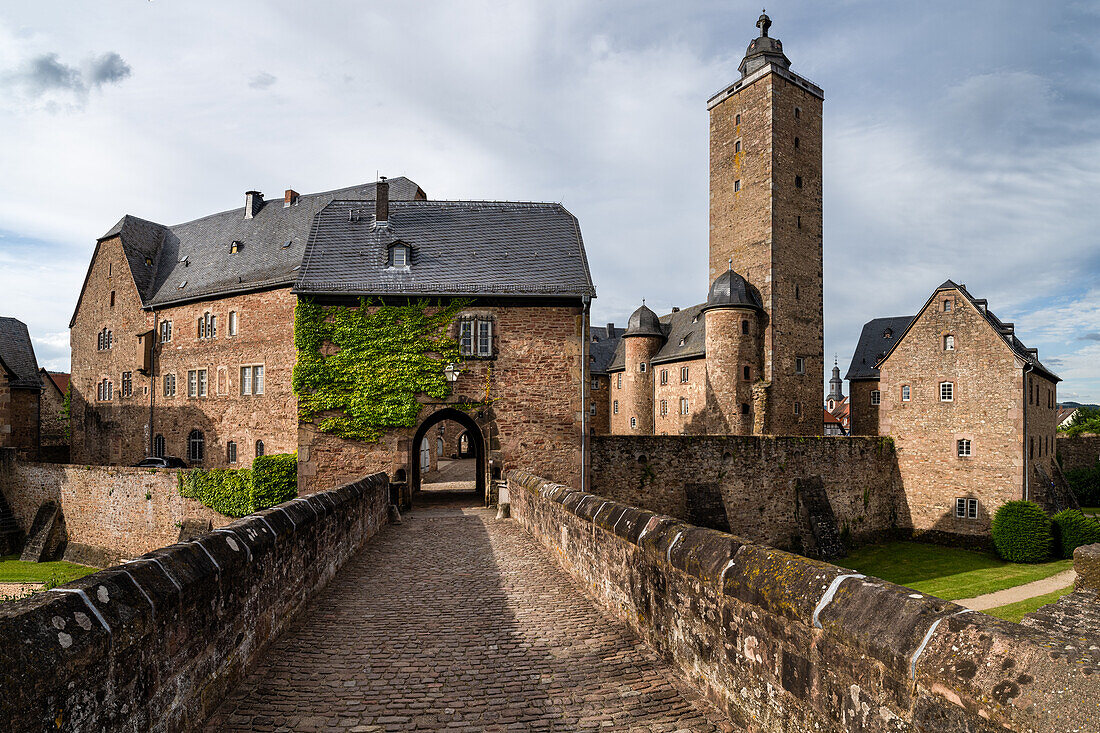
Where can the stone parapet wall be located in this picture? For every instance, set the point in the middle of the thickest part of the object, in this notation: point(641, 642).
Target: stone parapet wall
point(155, 644)
point(1079, 451)
point(749, 485)
point(110, 513)
point(783, 643)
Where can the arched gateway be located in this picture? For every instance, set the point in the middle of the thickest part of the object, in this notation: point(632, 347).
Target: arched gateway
point(475, 438)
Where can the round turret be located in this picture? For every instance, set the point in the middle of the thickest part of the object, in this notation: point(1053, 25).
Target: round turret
point(730, 290)
point(734, 350)
point(643, 322)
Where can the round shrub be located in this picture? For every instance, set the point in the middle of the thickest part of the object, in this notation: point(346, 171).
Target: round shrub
point(1073, 529)
point(1021, 532)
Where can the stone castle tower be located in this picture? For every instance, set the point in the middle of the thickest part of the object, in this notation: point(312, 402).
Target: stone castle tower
point(765, 218)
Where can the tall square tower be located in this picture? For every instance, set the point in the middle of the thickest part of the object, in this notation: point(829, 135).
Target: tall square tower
point(765, 216)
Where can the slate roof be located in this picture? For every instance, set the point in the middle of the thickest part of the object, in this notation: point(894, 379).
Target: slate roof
point(677, 326)
point(458, 248)
point(17, 354)
point(196, 255)
point(873, 345)
point(601, 347)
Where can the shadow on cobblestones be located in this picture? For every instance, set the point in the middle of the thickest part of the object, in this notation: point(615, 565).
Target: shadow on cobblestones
point(457, 621)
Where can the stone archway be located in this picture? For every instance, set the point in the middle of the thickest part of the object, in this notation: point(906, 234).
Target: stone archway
point(476, 443)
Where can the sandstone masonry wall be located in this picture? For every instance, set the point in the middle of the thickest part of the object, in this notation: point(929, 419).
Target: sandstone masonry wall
point(156, 644)
point(784, 643)
point(110, 513)
point(1082, 451)
point(750, 485)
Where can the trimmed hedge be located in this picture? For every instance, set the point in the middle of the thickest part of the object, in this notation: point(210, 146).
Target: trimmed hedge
point(274, 479)
point(237, 492)
point(1085, 485)
point(1021, 532)
point(1073, 529)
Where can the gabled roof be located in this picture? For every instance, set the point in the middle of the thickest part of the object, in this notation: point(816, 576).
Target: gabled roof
point(687, 325)
point(471, 248)
point(601, 347)
point(17, 355)
point(1005, 331)
point(196, 254)
point(876, 339)
point(60, 380)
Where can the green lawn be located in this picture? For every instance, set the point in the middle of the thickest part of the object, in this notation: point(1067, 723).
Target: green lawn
point(1094, 510)
point(13, 570)
point(1015, 611)
point(946, 572)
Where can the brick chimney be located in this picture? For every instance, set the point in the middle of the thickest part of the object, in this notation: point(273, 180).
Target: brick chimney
point(381, 201)
point(253, 201)
point(290, 198)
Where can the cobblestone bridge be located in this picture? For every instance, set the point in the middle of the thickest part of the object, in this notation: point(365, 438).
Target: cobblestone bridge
point(458, 621)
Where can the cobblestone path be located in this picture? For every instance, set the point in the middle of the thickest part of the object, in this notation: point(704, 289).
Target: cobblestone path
point(457, 621)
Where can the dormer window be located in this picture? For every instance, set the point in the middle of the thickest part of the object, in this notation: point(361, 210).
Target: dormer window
point(400, 255)
point(888, 334)
point(234, 247)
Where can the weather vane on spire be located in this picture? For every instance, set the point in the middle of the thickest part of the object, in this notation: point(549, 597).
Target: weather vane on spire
point(764, 23)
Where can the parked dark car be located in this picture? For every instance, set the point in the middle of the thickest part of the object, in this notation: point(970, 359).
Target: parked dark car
point(161, 462)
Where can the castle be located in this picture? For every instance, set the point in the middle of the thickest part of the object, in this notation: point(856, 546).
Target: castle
point(748, 360)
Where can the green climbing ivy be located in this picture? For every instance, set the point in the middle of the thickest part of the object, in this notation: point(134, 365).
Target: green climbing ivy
point(360, 370)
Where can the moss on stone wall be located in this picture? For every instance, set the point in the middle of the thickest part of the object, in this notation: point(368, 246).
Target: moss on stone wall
point(361, 370)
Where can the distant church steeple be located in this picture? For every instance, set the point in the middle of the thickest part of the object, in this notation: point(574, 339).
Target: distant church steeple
point(836, 384)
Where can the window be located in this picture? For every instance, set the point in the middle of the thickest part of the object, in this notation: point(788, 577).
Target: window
point(876, 396)
point(799, 222)
point(947, 392)
point(615, 407)
point(947, 305)
point(796, 142)
point(169, 385)
point(737, 147)
point(105, 339)
point(799, 365)
point(633, 422)
point(798, 408)
point(260, 447)
point(747, 373)
point(196, 446)
point(949, 343)
point(232, 323)
point(798, 113)
point(105, 390)
point(905, 393)
point(744, 326)
point(664, 407)
point(737, 185)
point(966, 508)
point(231, 452)
point(165, 331)
point(475, 337)
point(737, 119)
point(112, 298)
point(202, 383)
point(252, 380)
point(641, 366)
point(127, 384)
point(592, 409)
point(399, 256)
point(208, 326)
point(664, 376)
point(619, 380)
point(110, 269)
point(798, 181)
point(744, 408)
point(683, 374)
point(192, 383)
point(595, 384)
point(962, 446)
point(683, 406)
point(158, 446)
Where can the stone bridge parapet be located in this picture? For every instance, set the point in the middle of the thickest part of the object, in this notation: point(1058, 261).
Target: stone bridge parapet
point(155, 644)
point(785, 643)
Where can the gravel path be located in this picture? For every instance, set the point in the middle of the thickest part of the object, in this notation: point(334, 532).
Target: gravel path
point(1020, 592)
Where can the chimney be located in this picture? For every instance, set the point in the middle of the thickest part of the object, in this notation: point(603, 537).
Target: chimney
point(253, 200)
point(290, 198)
point(381, 201)
point(611, 330)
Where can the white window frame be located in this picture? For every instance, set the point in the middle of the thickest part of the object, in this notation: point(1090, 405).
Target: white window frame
point(641, 366)
point(963, 448)
point(619, 380)
point(685, 406)
point(949, 342)
point(399, 256)
point(906, 393)
point(595, 383)
point(165, 332)
point(684, 374)
point(233, 319)
point(876, 397)
point(664, 407)
point(169, 385)
point(948, 305)
point(633, 422)
point(204, 383)
point(127, 382)
point(664, 376)
point(484, 337)
point(947, 391)
point(615, 407)
point(466, 337)
point(966, 508)
point(192, 382)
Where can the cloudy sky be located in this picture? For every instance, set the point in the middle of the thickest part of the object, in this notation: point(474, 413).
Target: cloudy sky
point(962, 140)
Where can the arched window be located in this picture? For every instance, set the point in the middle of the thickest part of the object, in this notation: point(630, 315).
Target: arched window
point(196, 446)
point(158, 446)
point(259, 448)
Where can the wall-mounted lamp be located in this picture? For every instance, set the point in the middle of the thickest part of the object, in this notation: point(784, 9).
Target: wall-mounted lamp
point(451, 372)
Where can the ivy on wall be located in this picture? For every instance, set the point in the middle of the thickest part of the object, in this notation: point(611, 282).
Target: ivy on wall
point(368, 365)
point(237, 492)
